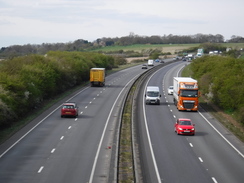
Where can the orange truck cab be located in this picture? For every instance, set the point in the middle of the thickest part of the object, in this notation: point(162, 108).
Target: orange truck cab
point(186, 93)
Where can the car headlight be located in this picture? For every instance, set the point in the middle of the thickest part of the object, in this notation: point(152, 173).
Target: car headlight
point(180, 128)
point(193, 129)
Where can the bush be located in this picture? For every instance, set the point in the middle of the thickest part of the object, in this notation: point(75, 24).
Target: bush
point(222, 79)
point(29, 80)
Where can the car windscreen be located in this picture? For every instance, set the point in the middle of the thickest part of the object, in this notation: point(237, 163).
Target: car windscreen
point(68, 107)
point(185, 122)
point(152, 94)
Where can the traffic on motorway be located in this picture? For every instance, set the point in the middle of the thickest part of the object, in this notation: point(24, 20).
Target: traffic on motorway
point(76, 140)
point(181, 136)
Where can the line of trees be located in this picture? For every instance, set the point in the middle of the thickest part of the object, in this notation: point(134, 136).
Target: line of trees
point(166, 39)
point(131, 39)
point(25, 82)
point(221, 81)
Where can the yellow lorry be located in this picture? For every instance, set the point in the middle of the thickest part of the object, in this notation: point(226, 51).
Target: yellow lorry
point(97, 76)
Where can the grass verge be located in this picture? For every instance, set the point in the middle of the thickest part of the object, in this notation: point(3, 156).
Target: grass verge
point(227, 120)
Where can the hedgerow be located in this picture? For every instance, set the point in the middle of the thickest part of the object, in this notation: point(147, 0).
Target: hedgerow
point(221, 80)
point(25, 82)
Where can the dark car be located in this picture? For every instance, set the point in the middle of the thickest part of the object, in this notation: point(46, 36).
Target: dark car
point(69, 109)
point(161, 61)
point(144, 66)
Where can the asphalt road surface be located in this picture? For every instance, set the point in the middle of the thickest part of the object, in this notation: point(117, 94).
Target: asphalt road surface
point(52, 149)
point(212, 155)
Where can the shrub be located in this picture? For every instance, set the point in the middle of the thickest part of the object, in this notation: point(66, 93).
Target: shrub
point(222, 77)
point(25, 82)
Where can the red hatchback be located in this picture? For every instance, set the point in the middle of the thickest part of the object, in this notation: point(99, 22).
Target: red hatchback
point(184, 126)
point(69, 109)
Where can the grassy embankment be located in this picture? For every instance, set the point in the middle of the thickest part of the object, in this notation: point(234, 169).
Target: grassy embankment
point(225, 118)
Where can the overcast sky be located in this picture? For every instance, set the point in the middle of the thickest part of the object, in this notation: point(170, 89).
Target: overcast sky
point(61, 21)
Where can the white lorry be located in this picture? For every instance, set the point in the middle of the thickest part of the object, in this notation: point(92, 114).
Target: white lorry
point(200, 52)
point(152, 95)
point(150, 62)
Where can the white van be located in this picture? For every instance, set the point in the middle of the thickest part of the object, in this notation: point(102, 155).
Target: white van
point(150, 62)
point(152, 95)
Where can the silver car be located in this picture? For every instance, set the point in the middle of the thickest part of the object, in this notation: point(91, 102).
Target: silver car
point(144, 66)
point(170, 90)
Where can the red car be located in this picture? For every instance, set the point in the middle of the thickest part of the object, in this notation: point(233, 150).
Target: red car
point(69, 109)
point(184, 126)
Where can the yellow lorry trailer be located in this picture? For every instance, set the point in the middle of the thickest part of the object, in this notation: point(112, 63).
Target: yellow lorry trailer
point(97, 76)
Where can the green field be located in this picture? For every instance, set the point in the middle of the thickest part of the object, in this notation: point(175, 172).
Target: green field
point(164, 47)
point(140, 47)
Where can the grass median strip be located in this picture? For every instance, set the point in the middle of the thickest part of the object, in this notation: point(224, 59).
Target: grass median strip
point(126, 167)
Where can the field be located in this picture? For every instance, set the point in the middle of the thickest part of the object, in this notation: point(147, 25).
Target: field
point(172, 48)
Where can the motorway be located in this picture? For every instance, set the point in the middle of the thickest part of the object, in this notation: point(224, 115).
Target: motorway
point(212, 155)
point(52, 149)
point(84, 149)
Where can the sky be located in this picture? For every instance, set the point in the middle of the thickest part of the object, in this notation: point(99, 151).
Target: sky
point(61, 21)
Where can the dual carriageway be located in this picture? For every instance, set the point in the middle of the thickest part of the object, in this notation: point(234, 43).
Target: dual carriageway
point(85, 149)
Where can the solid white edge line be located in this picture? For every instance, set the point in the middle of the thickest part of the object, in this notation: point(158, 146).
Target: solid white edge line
point(148, 136)
point(215, 181)
point(220, 133)
point(103, 134)
point(39, 123)
point(222, 136)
